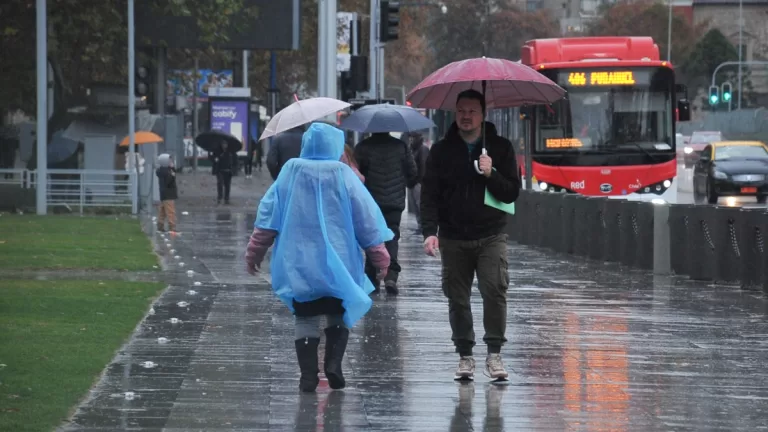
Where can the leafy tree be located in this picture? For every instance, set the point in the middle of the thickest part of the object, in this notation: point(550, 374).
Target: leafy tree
point(712, 50)
point(472, 28)
point(648, 18)
point(87, 40)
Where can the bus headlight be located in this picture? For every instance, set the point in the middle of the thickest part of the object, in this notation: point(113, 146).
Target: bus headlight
point(543, 186)
point(667, 183)
point(688, 150)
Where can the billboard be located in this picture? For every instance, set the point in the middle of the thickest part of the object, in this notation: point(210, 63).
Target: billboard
point(276, 27)
point(182, 82)
point(231, 116)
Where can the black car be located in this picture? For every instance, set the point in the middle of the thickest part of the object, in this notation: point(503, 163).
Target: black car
point(731, 168)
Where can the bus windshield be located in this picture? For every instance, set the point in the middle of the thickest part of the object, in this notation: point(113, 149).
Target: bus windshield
point(609, 110)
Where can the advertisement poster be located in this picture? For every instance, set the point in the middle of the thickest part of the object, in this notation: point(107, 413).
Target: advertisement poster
point(231, 117)
point(182, 82)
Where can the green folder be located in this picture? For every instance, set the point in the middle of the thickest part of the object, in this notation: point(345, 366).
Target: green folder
point(491, 201)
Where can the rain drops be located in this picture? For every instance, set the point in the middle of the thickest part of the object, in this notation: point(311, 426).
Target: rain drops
point(193, 292)
point(174, 320)
point(162, 340)
point(148, 364)
point(182, 304)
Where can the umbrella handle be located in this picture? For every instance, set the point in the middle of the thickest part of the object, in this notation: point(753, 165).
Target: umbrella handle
point(477, 165)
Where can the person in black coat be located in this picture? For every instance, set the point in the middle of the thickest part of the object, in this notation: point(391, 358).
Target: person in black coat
point(224, 167)
point(388, 167)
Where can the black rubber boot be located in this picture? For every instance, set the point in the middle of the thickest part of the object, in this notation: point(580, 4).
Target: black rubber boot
point(306, 353)
point(335, 346)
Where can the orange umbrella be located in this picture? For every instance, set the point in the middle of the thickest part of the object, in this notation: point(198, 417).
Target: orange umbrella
point(142, 137)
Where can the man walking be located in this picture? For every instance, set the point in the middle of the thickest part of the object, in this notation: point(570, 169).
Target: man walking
point(387, 165)
point(285, 146)
point(420, 154)
point(469, 234)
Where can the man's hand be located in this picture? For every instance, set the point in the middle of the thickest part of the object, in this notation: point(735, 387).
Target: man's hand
point(486, 164)
point(431, 245)
point(252, 268)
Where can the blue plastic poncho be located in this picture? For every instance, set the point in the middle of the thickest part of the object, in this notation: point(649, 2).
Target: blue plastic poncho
point(323, 215)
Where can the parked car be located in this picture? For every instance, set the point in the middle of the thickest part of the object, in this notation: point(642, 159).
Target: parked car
point(699, 140)
point(731, 168)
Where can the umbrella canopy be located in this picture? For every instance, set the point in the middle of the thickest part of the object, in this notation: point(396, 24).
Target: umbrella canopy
point(61, 148)
point(504, 83)
point(302, 112)
point(386, 118)
point(142, 137)
point(211, 141)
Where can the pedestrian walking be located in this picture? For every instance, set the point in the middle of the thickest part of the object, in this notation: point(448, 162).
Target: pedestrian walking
point(169, 193)
point(284, 147)
point(225, 166)
point(318, 215)
point(388, 167)
point(470, 235)
point(420, 154)
point(349, 158)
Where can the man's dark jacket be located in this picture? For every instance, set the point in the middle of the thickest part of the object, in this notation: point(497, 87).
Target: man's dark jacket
point(285, 146)
point(166, 182)
point(453, 193)
point(388, 166)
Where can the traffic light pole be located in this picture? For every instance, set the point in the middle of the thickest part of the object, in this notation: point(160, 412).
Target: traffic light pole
point(132, 165)
point(42, 106)
point(373, 57)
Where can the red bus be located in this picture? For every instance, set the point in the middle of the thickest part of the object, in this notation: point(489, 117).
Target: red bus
point(614, 133)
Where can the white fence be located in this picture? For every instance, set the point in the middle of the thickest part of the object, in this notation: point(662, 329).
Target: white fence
point(80, 188)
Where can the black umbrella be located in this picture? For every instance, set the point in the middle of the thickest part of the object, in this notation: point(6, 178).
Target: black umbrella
point(211, 141)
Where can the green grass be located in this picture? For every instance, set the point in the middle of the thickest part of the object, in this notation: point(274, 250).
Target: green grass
point(73, 242)
point(57, 336)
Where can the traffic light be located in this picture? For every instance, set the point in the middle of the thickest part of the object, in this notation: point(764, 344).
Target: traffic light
point(389, 20)
point(143, 80)
point(714, 95)
point(727, 90)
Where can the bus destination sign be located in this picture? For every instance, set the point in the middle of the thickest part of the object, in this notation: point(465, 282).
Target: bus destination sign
point(563, 143)
point(601, 78)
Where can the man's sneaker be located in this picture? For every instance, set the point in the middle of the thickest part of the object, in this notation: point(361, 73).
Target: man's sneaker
point(494, 368)
point(466, 370)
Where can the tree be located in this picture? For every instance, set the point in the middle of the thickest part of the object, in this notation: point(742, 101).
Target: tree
point(407, 59)
point(648, 18)
point(472, 28)
point(712, 50)
point(87, 39)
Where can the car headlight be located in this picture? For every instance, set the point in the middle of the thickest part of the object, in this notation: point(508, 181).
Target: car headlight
point(543, 185)
point(720, 175)
point(688, 150)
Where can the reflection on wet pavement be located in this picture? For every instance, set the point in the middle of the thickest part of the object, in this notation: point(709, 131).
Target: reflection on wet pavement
point(591, 347)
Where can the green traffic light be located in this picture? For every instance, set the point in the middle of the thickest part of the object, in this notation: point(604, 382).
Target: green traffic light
point(713, 99)
point(726, 97)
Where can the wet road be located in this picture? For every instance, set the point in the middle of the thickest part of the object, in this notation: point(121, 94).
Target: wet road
point(685, 192)
point(591, 348)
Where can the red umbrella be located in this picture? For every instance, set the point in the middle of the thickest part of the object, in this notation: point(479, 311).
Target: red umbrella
point(504, 83)
point(509, 84)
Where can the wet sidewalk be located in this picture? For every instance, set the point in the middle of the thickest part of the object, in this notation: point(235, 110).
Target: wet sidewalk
point(591, 348)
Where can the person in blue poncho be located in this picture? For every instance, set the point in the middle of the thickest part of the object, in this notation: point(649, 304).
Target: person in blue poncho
point(319, 214)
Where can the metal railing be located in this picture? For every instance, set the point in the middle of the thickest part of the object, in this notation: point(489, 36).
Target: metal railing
point(80, 188)
point(721, 244)
point(17, 177)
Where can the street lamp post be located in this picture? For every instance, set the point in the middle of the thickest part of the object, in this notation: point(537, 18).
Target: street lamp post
point(669, 33)
point(41, 193)
point(741, 44)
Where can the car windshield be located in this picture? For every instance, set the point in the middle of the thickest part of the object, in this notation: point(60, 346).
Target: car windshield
point(741, 152)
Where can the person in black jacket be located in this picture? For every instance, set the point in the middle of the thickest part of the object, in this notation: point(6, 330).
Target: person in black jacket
point(471, 234)
point(169, 193)
point(388, 167)
point(284, 147)
point(225, 166)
